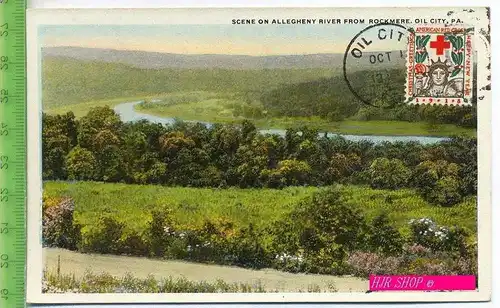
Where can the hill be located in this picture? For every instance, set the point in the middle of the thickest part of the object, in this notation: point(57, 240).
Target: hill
point(157, 60)
point(68, 81)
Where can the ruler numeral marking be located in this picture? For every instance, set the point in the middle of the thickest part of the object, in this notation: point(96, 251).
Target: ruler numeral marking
point(4, 29)
point(4, 129)
point(3, 162)
point(4, 98)
point(4, 261)
point(4, 65)
point(4, 195)
point(4, 1)
point(4, 228)
point(4, 293)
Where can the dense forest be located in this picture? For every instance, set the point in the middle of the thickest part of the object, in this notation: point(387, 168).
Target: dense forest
point(330, 98)
point(99, 147)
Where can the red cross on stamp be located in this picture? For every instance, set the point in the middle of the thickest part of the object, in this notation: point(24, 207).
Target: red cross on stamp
point(439, 66)
point(440, 45)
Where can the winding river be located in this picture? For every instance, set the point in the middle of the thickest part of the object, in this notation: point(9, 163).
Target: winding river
point(128, 113)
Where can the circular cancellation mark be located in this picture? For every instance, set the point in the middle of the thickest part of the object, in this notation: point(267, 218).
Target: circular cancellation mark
point(374, 65)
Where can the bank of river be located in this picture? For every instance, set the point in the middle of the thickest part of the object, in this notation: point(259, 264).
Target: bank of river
point(128, 113)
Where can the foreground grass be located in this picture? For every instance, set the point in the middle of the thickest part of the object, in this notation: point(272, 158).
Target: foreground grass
point(132, 204)
point(105, 283)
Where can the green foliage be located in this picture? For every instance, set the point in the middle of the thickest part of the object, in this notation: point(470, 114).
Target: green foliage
point(427, 233)
point(236, 155)
point(81, 164)
point(331, 99)
point(57, 140)
point(159, 229)
point(289, 172)
point(324, 228)
point(388, 173)
point(383, 237)
point(342, 166)
point(446, 192)
point(105, 237)
point(287, 229)
point(438, 182)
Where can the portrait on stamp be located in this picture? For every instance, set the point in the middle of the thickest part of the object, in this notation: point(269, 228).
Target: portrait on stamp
point(440, 65)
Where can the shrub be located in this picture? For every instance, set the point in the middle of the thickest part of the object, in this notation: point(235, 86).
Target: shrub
point(159, 232)
point(417, 250)
point(388, 174)
point(324, 228)
point(438, 182)
point(133, 244)
point(342, 166)
point(446, 192)
point(105, 237)
point(427, 233)
point(383, 237)
point(291, 172)
point(81, 164)
point(58, 227)
point(328, 261)
point(429, 266)
point(364, 264)
point(249, 250)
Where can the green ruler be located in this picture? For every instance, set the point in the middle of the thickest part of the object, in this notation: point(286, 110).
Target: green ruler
point(12, 153)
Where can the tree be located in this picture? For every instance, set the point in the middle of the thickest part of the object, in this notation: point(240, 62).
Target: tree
point(98, 119)
point(446, 192)
point(388, 174)
point(438, 182)
point(81, 164)
point(323, 226)
point(383, 237)
point(58, 137)
point(290, 172)
point(342, 166)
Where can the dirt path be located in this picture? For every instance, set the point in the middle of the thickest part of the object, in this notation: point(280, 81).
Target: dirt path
point(77, 263)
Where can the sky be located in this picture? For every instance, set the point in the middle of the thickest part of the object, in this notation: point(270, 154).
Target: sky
point(255, 40)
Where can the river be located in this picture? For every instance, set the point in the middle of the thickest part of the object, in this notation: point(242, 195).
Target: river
point(128, 113)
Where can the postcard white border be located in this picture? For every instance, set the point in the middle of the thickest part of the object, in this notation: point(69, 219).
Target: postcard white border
point(38, 17)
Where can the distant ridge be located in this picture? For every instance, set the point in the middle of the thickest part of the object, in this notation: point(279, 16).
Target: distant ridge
point(157, 60)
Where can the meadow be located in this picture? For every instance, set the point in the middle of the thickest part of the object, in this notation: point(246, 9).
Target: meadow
point(132, 204)
point(231, 108)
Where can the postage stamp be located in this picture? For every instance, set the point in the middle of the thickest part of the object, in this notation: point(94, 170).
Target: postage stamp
point(440, 65)
point(258, 155)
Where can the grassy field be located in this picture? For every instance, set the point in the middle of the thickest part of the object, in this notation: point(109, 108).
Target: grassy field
point(216, 110)
point(219, 108)
point(132, 204)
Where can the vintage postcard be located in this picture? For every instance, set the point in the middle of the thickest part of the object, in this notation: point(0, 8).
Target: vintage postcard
point(259, 155)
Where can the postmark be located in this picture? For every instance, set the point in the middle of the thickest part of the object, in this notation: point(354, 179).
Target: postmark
point(374, 64)
point(439, 66)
